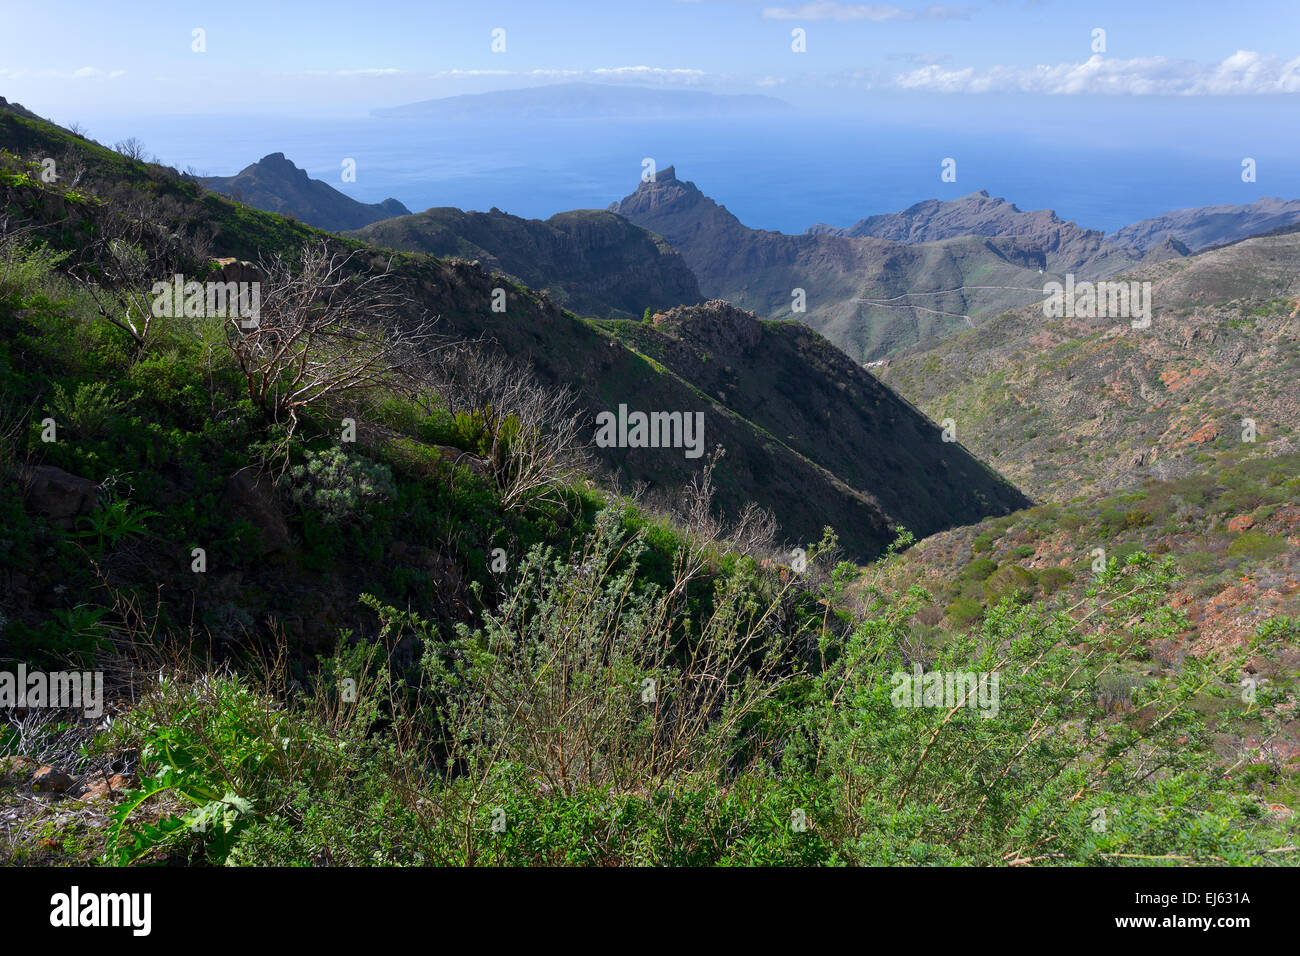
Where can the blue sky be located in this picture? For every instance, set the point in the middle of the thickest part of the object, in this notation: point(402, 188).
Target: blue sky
point(84, 60)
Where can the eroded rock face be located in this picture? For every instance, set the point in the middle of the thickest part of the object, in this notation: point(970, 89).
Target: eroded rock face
point(60, 496)
point(717, 326)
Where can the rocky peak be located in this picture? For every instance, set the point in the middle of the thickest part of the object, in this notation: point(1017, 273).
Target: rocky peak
point(717, 327)
point(280, 165)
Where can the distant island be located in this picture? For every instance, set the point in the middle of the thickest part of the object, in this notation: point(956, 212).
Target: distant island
point(588, 101)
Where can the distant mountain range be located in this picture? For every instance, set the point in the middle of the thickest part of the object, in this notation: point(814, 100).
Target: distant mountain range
point(884, 284)
point(1066, 246)
point(588, 101)
point(274, 184)
point(868, 295)
point(891, 281)
point(1206, 226)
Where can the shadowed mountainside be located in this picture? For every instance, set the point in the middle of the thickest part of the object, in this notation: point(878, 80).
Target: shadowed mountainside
point(275, 184)
point(589, 261)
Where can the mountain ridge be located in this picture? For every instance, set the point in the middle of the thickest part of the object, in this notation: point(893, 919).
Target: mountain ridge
point(590, 261)
point(561, 349)
point(275, 184)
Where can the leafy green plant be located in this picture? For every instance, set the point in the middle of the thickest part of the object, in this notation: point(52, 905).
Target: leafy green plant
point(88, 410)
point(336, 485)
point(114, 522)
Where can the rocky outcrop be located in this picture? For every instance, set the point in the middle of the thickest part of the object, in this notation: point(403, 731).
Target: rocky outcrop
point(58, 495)
point(723, 331)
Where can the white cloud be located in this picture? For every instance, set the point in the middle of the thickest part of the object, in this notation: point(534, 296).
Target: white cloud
point(878, 12)
point(1245, 73)
point(84, 73)
point(655, 71)
point(928, 59)
point(604, 72)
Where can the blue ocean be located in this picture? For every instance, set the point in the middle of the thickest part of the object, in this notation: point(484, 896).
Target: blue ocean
point(1102, 169)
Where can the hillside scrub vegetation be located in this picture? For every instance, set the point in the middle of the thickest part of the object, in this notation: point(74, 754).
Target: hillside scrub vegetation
point(629, 689)
point(364, 599)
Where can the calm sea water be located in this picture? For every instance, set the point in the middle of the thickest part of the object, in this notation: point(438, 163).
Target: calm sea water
point(783, 173)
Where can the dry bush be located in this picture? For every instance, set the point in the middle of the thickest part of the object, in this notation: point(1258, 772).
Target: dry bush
point(130, 252)
point(532, 435)
point(325, 329)
point(132, 148)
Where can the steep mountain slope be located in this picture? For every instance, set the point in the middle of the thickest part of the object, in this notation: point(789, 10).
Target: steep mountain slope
point(589, 261)
point(869, 296)
point(1068, 248)
point(1232, 530)
point(275, 184)
point(804, 490)
point(1068, 405)
point(803, 392)
point(1210, 225)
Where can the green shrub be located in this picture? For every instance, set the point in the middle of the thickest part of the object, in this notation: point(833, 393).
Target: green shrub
point(1052, 580)
point(1256, 546)
point(978, 570)
point(1010, 581)
point(337, 486)
point(88, 410)
point(964, 611)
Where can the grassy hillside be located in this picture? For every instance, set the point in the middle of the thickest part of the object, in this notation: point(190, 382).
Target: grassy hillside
point(1067, 406)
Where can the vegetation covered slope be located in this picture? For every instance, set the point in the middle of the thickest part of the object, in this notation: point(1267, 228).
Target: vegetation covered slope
point(590, 262)
point(1063, 406)
point(351, 673)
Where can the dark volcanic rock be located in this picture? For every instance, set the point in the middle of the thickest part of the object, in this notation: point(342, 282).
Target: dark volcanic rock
point(58, 495)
